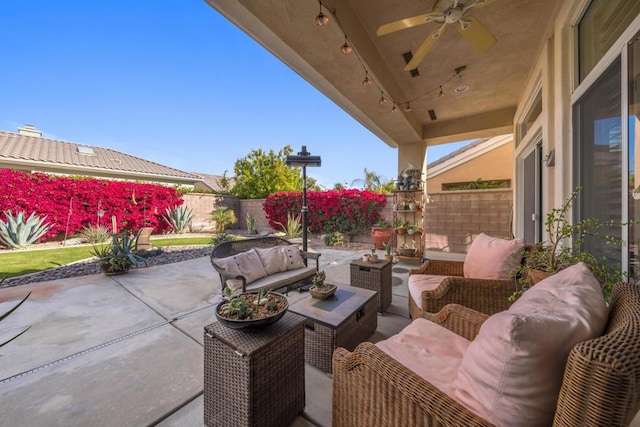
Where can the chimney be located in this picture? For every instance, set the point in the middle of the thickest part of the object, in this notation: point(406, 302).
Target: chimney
point(29, 130)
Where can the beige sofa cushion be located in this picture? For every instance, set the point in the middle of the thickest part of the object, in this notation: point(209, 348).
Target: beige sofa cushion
point(512, 372)
point(292, 256)
point(273, 259)
point(429, 350)
point(493, 258)
point(246, 263)
point(419, 283)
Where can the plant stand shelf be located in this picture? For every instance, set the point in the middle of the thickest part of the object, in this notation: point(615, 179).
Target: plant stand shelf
point(254, 378)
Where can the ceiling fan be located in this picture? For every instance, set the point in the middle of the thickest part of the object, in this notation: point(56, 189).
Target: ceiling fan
point(445, 12)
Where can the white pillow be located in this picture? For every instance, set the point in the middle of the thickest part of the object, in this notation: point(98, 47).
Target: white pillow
point(492, 258)
point(230, 265)
point(511, 373)
point(272, 259)
point(292, 256)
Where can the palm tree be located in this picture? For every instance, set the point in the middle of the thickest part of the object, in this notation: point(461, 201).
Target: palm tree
point(373, 182)
point(223, 216)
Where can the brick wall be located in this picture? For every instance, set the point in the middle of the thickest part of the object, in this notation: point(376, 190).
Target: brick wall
point(454, 218)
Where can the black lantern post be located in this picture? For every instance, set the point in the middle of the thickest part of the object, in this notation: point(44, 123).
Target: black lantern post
point(304, 159)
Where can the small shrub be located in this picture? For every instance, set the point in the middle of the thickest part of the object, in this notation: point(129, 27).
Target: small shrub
point(334, 239)
point(293, 227)
point(95, 234)
point(223, 216)
point(222, 237)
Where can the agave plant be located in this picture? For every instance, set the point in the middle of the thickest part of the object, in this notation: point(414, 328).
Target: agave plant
point(293, 228)
point(5, 315)
point(18, 231)
point(179, 218)
point(118, 256)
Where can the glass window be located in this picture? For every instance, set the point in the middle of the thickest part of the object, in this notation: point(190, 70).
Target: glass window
point(602, 24)
point(597, 130)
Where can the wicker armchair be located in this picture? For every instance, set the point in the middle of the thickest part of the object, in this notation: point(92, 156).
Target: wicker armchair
point(600, 386)
point(483, 295)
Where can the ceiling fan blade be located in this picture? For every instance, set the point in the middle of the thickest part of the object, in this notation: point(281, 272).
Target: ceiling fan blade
point(424, 49)
point(476, 34)
point(406, 23)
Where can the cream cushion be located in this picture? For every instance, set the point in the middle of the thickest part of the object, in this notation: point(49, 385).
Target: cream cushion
point(419, 283)
point(512, 372)
point(250, 265)
point(292, 256)
point(247, 264)
point(429, 350)
point(273, 259)
point(493, 258)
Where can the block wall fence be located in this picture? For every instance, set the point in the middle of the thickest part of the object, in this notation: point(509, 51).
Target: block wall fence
point(451, 221)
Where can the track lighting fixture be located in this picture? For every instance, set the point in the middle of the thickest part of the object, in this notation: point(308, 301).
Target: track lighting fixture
point(321, 19)
point(441, 94)
point(382, 100)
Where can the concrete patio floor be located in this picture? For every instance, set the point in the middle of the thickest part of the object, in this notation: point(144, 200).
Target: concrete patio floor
point(128, 350)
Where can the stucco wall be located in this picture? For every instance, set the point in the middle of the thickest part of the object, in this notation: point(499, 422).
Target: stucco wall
point(496, 164)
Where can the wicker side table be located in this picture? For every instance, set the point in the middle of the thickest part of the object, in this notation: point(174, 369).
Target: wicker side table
point(254, 378)
point(375, 276)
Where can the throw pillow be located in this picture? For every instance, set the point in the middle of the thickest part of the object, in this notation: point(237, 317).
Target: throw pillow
point(493, 258)
point(292, 256)
point(230, 265)
point(250, 265)
point(511, 373)
point(272, 259)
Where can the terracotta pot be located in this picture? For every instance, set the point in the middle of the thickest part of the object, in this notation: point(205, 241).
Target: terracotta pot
point(537, 275)
point(401, 230)
point(380, 236)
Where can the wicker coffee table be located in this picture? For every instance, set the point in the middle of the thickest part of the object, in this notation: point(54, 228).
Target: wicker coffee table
point(375, 276)
point(254, 378)
point(343, 320)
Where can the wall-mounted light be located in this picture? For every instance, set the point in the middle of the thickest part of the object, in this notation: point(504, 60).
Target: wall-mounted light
point(550, 159)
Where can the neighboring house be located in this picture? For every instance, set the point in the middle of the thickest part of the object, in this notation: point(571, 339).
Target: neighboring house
point(28, 151)
point(487, 160)
point(212, 182)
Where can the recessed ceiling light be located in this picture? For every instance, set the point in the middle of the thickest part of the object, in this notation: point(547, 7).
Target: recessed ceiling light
point(461, 89)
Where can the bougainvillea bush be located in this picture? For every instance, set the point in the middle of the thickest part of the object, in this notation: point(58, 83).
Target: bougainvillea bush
point(348, 211)
point(73, 203)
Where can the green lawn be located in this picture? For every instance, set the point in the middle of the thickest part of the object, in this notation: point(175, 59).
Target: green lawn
point(18, 263)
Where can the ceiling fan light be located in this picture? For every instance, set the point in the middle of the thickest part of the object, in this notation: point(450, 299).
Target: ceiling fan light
point(345, 48)
point(461, 89)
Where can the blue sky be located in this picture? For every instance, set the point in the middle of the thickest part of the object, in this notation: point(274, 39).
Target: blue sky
point(173, 82)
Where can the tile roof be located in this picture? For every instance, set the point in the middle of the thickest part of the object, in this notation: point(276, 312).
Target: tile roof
point(16, 147)
point(213, 181)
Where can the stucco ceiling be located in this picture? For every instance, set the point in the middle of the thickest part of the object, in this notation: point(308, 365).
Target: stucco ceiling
point(496, 78)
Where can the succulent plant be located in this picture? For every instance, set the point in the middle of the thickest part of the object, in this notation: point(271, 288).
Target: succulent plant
point(18, 231)
point(179, 218)
point(119, 255)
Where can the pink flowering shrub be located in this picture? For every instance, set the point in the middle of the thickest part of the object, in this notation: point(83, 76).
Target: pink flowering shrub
point(348, 211)
point(75, 202)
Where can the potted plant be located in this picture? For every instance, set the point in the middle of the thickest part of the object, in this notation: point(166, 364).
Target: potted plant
point(250, 309)
point(387, 251)
point(549, 257)
point(374, 257)
point(320, 289)
point(119, 256)
point(381, 232)
point(400, 226)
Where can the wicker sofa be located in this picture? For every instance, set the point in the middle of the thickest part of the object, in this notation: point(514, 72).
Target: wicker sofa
point(600, 385)
point(437, 283)
point(286, 268)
